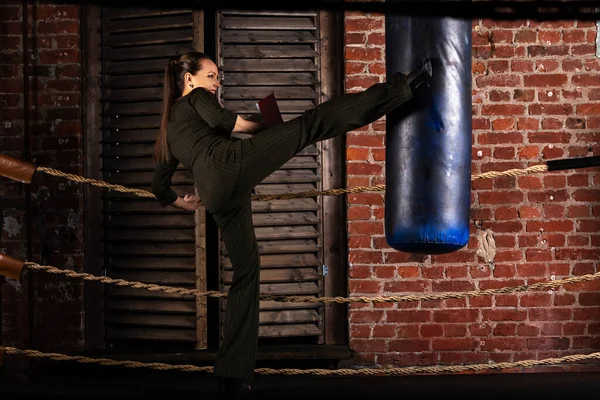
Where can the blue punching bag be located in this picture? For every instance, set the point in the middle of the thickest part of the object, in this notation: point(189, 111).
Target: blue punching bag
point(428, 144)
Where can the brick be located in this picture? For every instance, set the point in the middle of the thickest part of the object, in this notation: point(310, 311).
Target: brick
point(455, 316)
point(369, 140)
point(545, 80)
point(574, 36)
point(500, 138)
point(365, 228)
point(365, 257)
point(363, 54)
point(583, 49)
point(550, 314)
point(521, 66)
point(588, 109)
point(550, 109)
point(499, 95)
point(549, 137)
point(586, 79)
point(498, 81)
point(503, 109)
point(405, 286)
point(57, 27)
point(586, 195)
point(503, 344)
point(548, 343)
point(545, 51)
point(407, 316)
point(525, 36)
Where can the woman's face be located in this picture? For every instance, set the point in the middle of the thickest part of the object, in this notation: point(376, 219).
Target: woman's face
point(207, 77)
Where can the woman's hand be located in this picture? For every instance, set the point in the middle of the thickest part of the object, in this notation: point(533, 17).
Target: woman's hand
point(187, 203)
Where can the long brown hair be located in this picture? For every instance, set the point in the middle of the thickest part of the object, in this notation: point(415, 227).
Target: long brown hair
point(172, 89)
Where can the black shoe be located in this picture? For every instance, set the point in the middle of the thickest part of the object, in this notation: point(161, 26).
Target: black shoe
point(234, 387)
point(420, 74)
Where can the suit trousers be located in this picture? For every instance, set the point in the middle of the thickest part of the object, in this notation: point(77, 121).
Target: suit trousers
point(261, 155)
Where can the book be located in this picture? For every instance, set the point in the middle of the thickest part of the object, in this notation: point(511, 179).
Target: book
point(269, 111)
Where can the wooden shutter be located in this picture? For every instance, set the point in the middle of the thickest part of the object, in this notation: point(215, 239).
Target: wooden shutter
point(142, 241)
point(262, 53)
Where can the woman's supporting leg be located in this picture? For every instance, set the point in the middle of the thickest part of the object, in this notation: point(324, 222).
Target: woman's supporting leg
point(266, 152)
point(237, 353)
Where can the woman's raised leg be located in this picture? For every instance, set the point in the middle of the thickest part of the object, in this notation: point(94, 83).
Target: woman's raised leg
point(266, 152)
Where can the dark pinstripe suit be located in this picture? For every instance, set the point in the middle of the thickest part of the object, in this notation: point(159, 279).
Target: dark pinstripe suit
point(226, 171)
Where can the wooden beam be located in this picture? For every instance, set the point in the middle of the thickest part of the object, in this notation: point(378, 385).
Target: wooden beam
point(200, 221)
point(92, 96)
point(334, 238)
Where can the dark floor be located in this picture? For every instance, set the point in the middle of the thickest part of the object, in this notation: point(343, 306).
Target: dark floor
point(136, 384)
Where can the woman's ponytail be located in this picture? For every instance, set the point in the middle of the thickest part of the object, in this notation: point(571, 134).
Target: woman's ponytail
point(161, 148)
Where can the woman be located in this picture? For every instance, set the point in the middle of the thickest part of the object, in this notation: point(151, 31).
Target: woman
point(196, 131)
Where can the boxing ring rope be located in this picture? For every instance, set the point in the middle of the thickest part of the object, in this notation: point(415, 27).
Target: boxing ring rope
point(23, 171)
point(12, 268)
point(432, 369)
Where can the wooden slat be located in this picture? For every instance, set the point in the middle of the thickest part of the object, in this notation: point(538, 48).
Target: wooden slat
point(269, 51)
point(130, 136)
point(155, 334)
point(130, 67)
point(269, 23)
point(295, 288)
point(142, 52)
point(233, 36)
point(273, 188)
point(162, 306)
point(289, 330)
point(307, 204)
point(301, 162)
point(151, 249)
point(127, 293)
point(226, 13)
point(125, 149)
point(165, 278)
point(119, 13)
point(135, 94)
point(151, 320)
point(292, 176)
point(286, 232)
point(147, 38)
point(182, 177)
point(280, 275)
point(285, 106)
point(282, 261)
point(231, 79)
point(133, 109)
point(141, 206)
point(300, 288)
point(285, 219)
point(286, 305)
point(135, 122)
point(268, 65)
point(139, 80)
point(285, 247)
point(154, 263)
point(288, 316)
point(149, 235)
point(280, 92)
point(165, 221)
point(175, 21)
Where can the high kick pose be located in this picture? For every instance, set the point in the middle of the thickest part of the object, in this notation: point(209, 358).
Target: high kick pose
point(196, 132)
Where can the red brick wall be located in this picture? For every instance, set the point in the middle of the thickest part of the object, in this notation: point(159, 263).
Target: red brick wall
point(536, 92)
point(52, 318)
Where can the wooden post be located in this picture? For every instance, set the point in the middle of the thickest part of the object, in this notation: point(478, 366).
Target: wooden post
point(334, 255)
point(200, 223)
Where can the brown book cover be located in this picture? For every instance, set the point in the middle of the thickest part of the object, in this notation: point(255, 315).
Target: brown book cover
point(269, 111)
